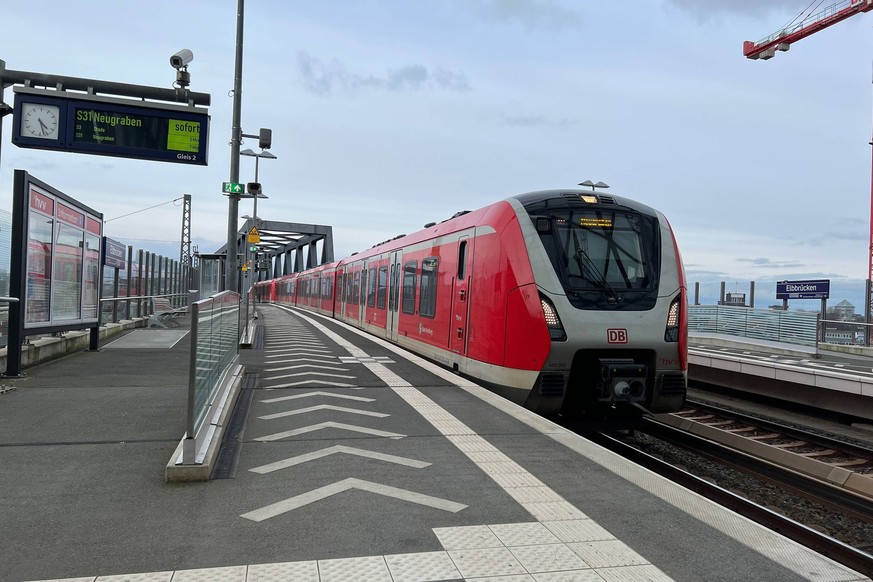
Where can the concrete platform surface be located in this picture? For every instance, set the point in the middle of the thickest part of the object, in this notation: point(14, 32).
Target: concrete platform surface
point(350, 460)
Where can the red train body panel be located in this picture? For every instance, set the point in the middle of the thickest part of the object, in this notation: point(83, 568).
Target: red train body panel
point(568, 301)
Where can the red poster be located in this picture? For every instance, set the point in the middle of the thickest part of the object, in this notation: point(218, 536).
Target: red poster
point(70, 216)
point(42, 203)
point(93, 226)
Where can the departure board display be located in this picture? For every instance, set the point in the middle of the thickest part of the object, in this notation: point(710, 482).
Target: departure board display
point(136, 131)
point(173, 133)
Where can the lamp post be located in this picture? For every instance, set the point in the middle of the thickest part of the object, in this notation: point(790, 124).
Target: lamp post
point(264, 154)
point(254, 191)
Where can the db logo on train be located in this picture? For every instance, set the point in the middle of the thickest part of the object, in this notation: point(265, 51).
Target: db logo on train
point(616, 336)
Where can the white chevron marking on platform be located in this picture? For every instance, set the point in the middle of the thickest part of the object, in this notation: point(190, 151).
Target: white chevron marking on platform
point(318, 393)
point(297, 366)
point(263, 469)
point(297, 351)
point(329, 424)
point(322, 407)
point(309, 374)
point(308, 358)
point(310, 382)
point(340, 486)
point(364, 360)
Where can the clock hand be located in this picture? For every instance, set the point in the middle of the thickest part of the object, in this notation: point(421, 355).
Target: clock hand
point(45, 129)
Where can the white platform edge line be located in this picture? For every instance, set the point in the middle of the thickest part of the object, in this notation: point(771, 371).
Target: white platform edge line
point(790, 554)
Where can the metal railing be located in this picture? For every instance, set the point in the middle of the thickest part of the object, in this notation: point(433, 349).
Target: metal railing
point(760, 324)
point(214, 354)
point(116, 309)
point(842, 332)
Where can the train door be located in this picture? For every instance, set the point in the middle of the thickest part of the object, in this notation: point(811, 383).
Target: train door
point(460, 297)
point(393, 296)
point(362, 295)
point(340, 301)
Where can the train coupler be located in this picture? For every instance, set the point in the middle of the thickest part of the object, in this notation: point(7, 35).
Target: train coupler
point(623, 379)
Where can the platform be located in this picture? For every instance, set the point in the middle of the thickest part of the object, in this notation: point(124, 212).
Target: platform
point(354, 461)
point(837, 381)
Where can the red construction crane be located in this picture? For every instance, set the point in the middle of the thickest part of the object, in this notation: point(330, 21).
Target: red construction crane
point(781, 40)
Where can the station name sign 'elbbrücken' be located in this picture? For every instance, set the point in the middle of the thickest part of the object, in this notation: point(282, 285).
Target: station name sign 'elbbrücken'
point(817, 289)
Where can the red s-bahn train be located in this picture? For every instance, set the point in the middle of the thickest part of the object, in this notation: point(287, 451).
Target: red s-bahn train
point(567, 301)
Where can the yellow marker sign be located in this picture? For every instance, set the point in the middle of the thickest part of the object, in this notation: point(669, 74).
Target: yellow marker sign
point(183, 136)
point(254, 236)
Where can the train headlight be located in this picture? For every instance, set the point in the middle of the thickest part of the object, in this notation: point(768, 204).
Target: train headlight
point(671, 333)
point(556, 329)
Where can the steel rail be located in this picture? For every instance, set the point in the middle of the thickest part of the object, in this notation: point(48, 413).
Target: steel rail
point(837, 498)
point(799, 433)
point(836, 550)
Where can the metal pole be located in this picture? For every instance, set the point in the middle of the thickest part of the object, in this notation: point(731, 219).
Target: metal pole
point(868, 291)
point(867, 314)
point(2, 93)
point(231, 275)
point(35, 79)
point(248, 277)
point(255, 198)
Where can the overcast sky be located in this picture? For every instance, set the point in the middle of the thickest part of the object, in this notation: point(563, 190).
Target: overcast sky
point(388, 114)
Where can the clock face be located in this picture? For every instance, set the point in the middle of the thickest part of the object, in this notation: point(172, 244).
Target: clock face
point(39, 120)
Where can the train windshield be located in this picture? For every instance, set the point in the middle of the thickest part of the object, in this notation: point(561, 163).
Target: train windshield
point(606, 259)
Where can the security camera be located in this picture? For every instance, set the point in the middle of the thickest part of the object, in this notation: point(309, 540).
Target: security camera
point(181, 59)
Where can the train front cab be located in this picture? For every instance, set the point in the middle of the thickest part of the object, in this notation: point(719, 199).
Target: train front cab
point(612, 288)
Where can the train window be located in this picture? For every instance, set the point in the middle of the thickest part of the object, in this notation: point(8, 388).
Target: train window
point(395, 282)
point(462, 260)
point(371, 289)
point(356, 289)
point(605, 259)
point(427, 292)
point(383, 283)
point(409, 275)
point(392, 295)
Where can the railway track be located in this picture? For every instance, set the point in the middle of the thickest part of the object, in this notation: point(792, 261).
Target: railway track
point(832, 461)
point(853, 557)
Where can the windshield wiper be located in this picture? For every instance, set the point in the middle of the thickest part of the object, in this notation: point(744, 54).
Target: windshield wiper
point(594, 275)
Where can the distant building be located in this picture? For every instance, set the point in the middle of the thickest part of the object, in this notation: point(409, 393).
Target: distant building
point(844, 310)
point(735, 299)
point(839, 336)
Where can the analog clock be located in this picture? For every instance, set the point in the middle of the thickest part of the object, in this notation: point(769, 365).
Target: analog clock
point(40, 121)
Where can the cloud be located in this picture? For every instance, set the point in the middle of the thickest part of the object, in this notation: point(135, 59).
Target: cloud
point(704, 10)
point(542, 14)
point(327, 78)
point(763, 262)
point(537, 121)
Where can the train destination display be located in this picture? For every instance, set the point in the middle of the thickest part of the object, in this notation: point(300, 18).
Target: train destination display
point(136, 131)
point(170, 133)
